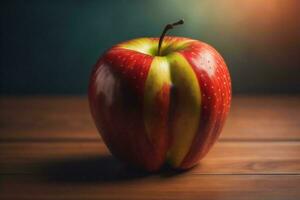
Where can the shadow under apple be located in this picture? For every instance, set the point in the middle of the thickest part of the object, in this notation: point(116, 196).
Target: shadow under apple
point(95, 169)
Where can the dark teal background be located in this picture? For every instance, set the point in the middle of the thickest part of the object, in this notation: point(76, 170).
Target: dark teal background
point(49, 47)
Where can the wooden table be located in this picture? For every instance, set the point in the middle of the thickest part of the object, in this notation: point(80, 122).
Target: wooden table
point(50, 149)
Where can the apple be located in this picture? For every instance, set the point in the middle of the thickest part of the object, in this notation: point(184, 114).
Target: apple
point(160, 100)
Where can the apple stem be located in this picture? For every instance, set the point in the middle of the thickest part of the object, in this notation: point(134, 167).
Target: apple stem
point(167, 27)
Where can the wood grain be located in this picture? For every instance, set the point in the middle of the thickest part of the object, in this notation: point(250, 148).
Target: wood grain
point(194, 187)
point(25, 118)
point(224, 158)
point(61, 118)
point(50, 149)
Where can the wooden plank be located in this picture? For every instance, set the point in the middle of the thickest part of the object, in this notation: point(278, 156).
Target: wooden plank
point(263, 118)
point(182, 186)
point(68, 118)
point(30, 118)
point(79, 157)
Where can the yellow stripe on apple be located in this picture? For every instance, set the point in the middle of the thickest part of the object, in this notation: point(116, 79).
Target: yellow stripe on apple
point(176, 71)
point(186, 115)
point(156, 99)
point(143, 45)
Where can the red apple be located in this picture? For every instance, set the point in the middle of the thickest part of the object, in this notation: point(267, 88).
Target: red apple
point(160, 100)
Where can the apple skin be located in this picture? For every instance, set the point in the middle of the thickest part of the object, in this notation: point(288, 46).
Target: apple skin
point(151, 110)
